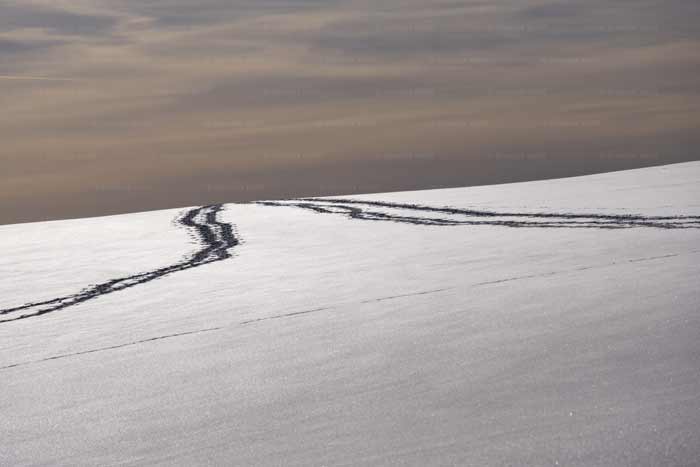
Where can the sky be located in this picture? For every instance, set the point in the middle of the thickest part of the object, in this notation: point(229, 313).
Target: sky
point(111, 106)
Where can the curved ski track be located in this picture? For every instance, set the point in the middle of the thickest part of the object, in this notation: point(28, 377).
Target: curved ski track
point(411, 214)
point(217, 239)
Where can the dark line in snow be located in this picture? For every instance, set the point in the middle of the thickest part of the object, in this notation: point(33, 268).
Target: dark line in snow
point(485, 213)
point(371, 300)
point(286, 315)
point(358, 209)
point(217, 239)
point(391, 297)
point(584, 268)
point(242, 323)
point(111, 347)
point(379, 299)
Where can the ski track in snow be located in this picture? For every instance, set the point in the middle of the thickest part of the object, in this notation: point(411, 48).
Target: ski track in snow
point(217, 239)
point(358, 209)
point(295, 314)
point(111, 347)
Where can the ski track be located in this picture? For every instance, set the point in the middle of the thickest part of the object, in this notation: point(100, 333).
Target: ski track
point(585, 268)
point(217, 238)
point(285, 315)
point(295, 314)
point(111, 347)
point(358, 209)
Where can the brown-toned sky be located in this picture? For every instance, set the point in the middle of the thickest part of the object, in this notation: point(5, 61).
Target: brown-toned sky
point(113, 106)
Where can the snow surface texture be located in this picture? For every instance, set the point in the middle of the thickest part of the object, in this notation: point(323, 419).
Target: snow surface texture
point(542, 323)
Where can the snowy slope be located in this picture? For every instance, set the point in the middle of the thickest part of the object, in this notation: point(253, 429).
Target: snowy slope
point(543, 323)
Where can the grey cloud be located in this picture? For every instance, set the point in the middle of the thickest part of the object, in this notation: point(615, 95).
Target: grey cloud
point(56, 20)
point(456, 27)
point(553, 10)
point(169, 88)
point(293, 90)
point(9, 46)
point(400, 42)
point(179, 13)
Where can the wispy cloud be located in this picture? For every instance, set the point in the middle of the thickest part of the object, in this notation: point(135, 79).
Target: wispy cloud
point(145, 94)
point(36, 78)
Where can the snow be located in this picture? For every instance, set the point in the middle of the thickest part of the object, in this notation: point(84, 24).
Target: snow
point(331, 340)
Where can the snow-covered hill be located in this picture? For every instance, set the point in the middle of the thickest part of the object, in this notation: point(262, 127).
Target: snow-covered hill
point(544, 323)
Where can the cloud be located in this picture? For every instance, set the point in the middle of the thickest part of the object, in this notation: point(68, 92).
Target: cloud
point(158, 91)
point(8, 46)
point(62, 22)
point(553, 10)
point(35, 78)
